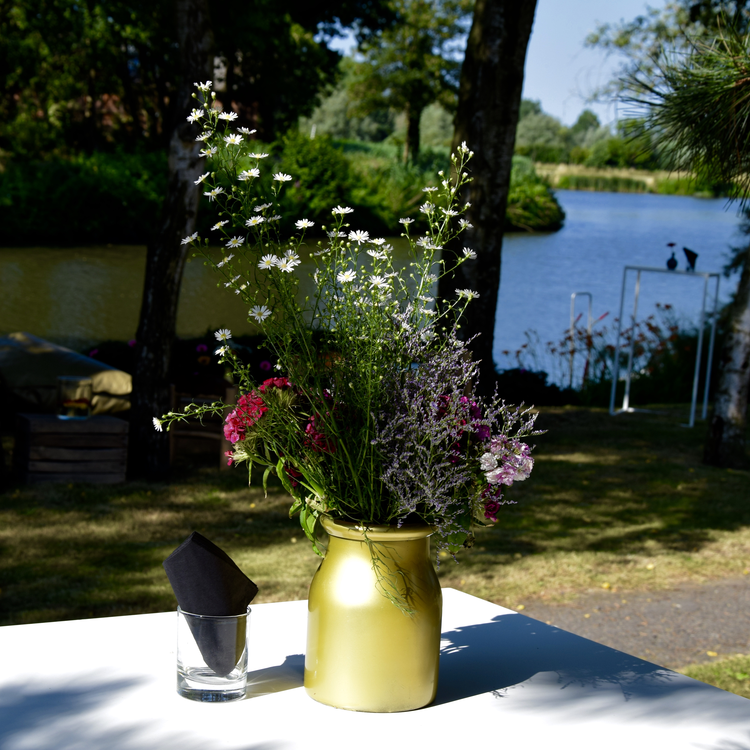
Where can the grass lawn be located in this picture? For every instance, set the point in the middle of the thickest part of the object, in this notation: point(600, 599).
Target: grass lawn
point(621, 503)
point(731, 674)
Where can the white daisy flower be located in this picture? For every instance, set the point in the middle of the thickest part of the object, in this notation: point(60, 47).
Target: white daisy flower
point(207, 151)
point(247, 131)
point(267, 261)
point(233, 281)
point(233, 140)
point(341, 210)
point(334, 234)
point(291, 254)
point(229, 116)
point(196, 114)
point(465, 224)
point(203, 136)
point(470, 254)
point(157, 424)
point(257, 156)
point(378, 241)
point(285, 264)
point(304, 224)
point(406, 221)
point(346, 276)
point(201, 178)
point(223, 334)
point(424, 242)
point(225, 260)
point(213, 193)
point(190, 239)
point(427, 208)
point(260, 312)
point(449, 212)
point(274, 218)
point(253, 221)
point(218, 225)
point(235, 242)
point(463, 148)
point(221, 351)
point(378, 282)
point(467, 293)
point(429, 189)
point(377, 254)
point(262, 207)
point(359, 237)
point(246, 174)
point(281, 177)
point(204, 87)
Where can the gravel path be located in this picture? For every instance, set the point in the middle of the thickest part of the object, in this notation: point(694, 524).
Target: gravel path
point(670, 628)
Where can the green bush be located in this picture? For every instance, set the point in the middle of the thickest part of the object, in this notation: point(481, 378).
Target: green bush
point(322, 177)
point(531, 204)
point(115, 198)
point(102, 198)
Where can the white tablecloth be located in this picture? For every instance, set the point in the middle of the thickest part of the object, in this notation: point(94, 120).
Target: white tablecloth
point(505, 681)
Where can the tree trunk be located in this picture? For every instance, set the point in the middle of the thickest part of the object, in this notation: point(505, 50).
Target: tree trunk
point(725, 444)
point(411, 148)
point(488, 104)
point(149, 450)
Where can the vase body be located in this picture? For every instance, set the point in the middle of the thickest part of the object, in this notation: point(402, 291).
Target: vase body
point(365, 653)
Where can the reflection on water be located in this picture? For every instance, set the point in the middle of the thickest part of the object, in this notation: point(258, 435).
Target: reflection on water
point(81, 296)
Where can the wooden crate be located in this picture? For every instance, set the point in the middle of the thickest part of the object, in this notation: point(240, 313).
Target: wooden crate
point(49, 449)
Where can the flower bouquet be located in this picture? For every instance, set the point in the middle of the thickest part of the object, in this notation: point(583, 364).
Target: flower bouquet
point(373, 415)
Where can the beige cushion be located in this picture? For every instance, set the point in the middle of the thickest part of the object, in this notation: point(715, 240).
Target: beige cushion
point(29, 367)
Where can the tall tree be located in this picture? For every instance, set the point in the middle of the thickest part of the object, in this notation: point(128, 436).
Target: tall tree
point(699, 103)
point(414, 63)
point(166, 254)
point(85, 75)
point(488, 106)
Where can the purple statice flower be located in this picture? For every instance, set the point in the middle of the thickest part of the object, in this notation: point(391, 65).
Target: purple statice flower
point(445, 454)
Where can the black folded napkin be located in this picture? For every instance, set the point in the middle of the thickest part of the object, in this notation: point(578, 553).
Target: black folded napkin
point(206, 581)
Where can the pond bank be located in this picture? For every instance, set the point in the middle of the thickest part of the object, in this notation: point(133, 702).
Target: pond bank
point(616, 180)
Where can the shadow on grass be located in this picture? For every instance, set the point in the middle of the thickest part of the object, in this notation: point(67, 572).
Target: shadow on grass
point(617, 485)
point(624, 485)
point(75, 551)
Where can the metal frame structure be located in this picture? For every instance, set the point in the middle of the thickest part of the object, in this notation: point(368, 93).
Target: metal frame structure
point(626, 396)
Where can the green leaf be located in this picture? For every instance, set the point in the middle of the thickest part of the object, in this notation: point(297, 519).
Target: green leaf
point(297, 506)
point(456, 541)
point(266, 473)
point(308, 519)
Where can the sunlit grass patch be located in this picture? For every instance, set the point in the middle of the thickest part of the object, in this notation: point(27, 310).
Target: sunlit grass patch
point(731, 673)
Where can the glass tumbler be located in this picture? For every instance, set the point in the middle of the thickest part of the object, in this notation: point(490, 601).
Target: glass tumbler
point(212, 656)
point(74, 395)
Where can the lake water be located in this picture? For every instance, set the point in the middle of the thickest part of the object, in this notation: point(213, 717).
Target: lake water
point(603, 233)
point(78, 297)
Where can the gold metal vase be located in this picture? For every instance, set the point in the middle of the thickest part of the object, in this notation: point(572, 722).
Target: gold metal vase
point(365, 652)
